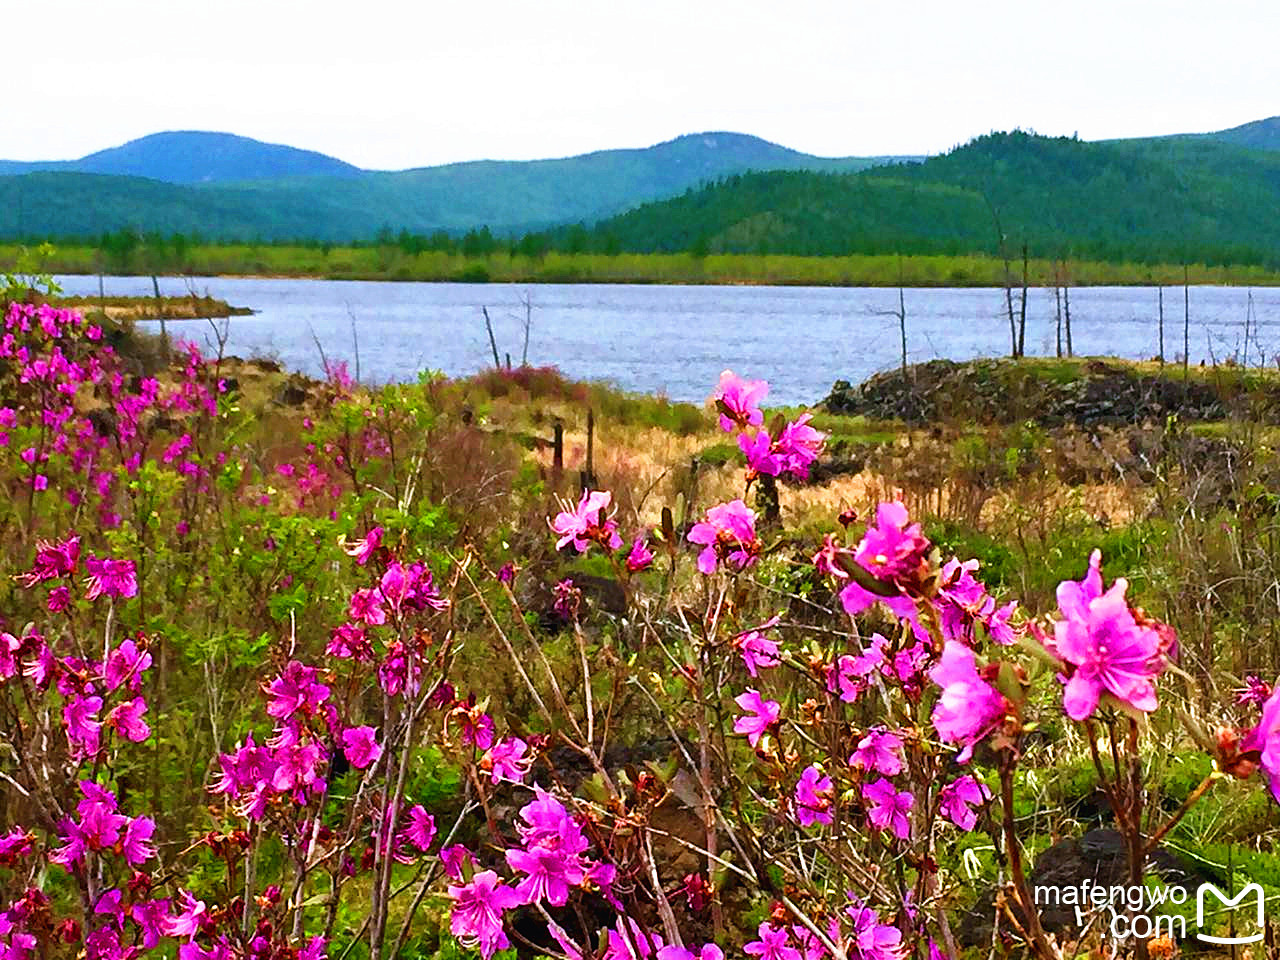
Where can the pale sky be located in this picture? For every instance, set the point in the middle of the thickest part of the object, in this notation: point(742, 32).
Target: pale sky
point(389, 85)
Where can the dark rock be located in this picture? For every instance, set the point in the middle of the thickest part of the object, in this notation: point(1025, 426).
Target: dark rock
point(291, 394)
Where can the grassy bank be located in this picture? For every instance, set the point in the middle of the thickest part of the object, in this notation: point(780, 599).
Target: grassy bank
point(391, 262)
point(122, 309)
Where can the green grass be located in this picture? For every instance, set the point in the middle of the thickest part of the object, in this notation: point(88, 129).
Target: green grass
point(392, 263)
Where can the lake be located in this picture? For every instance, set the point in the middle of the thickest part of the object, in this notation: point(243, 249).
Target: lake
point(676, 339)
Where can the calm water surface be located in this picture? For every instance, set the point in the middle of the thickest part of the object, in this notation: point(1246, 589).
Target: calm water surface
point(677, 339)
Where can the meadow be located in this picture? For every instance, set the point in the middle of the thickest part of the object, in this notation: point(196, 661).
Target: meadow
point(394, 260)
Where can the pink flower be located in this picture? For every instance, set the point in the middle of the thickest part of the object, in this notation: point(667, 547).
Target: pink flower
point(361, 747)
point(728, 534)
point(738, 401)
point(362, 550)
point(476, 919)
point(136, 845)
point(294, 690)
point(505, 760)
point(759, 453)
point(366, 607)
point(879, 751)
point(421, 828)
point(969, 707)
point(126, 663)
point(640, 558)
point(892, 549)
point(1112, 653)
point(587, 523)
point(53, 560)
point(890, 809)
point(761, 715)
point(1265, 739)
point(757, 650)
point(127, 720)
point(957, 799)
point(115, 578)
point(186, 923)
point(813, 797)
point(83, 727)
point(798, 445)
point(454, 858)
point(870, 939)
point(774, 944)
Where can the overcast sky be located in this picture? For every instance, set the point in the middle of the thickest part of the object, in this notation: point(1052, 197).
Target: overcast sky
point(389, 85)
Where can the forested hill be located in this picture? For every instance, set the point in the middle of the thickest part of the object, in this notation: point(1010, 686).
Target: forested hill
point(223, 187)
point(1166, 200)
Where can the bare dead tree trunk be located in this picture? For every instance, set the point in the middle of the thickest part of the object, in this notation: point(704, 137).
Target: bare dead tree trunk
point(1066, 314)
point(1008, 274)
point(1186, 321)
point(1160, 294)
point(1022, 312)
point(902, 330)
point(1057, 310)
point(528, 322)
point(493, 344)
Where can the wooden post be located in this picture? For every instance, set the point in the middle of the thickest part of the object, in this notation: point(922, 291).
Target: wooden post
point(557, 453)
point(589, 474)
point(164, 332)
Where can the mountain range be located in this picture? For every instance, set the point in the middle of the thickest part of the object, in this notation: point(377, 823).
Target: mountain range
point(1217, 194)
point(223, 186)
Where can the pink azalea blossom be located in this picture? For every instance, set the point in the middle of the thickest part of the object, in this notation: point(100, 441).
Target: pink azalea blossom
point(362, 550)
point(890, 809)
point(476, 918)
point(454, 859)
point(421, 828)
point(894, 548)
point(958, 798)
point(758, 651)
point(761, 715)
point(969, 707)
point(506, 761)
point(1111, 652)
point(813, 797)
point(126, 719)
point(53, 560)
point(126, 662)
point(798, 445)
point(114, 578)
point(870, 939)
point(728, 534)
point(774, 944)
point(185, 923)
point(587, 523)
point(640, 558)
point(360, 744)
point(1264, 739)
point(136, 845)
point(738, 401)
point(296, 689)
point(879, 751)
point(83, 726)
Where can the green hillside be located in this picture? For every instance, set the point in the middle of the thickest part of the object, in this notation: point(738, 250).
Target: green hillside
point(1155, 201)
